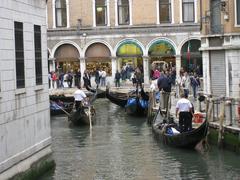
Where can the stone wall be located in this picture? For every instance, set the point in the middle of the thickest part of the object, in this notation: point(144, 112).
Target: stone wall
point(24, 113)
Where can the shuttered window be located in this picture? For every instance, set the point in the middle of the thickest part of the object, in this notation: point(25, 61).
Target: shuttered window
point(19, 54)
point(101, 13)
point(61, 13)
point(188, 10)
point(123, 12)
point(38, 54)
point(165, 11)
point(238, 11)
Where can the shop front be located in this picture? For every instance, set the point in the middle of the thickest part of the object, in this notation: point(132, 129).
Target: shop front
point(191, 57)
point(67, 59)
point(129, 57)
point(98, 56)
point(161, 56)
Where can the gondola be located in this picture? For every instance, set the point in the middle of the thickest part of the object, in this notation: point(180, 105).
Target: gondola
point(136, 106)
point(181, 140)
point(57, 108)
point(100, 93)
point(116, 98)
point(85, 114)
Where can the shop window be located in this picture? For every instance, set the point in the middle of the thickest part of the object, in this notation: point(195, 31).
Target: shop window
point(238, 11)
point(19, 54)
point(101, 12)
point(61, 13)
point(123, 12)
point(188, 10)
point(38, 54)
point(165, 11)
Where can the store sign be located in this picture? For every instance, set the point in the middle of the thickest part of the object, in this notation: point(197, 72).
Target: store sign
point(129, 49)
point(161, 48)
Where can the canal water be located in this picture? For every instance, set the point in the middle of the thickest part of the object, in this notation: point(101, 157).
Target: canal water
point(121, 147)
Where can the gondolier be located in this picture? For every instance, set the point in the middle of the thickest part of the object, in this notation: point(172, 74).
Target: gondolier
point(79, 97)
point(184, 108)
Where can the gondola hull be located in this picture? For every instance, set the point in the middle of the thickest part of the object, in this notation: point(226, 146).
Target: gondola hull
point(120, 101)
point(82, 116)
point(182, 140)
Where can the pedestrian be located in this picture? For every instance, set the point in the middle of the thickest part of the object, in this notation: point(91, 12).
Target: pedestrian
point(78, 78)
point(70, 79)
point(103, 78)
point(184, 110)
point(49, 79)
point(186, 84)
point(194, 85)
point(61, 79)
point(54, 80)
point(79, 97)
point(117, 79)
point(138, 76)
point(165, 86)
point(86, 79)
point(97, 77)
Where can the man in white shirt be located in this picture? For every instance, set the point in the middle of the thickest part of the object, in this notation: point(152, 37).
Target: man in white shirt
point(103, 78)
point(184, 108)
point(79, 97)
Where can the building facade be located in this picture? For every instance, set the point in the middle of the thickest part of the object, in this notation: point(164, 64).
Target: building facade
point(220, 46)
point(24, 101)
point(112, 34)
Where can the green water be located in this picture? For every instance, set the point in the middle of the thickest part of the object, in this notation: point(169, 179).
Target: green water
point(122, 147)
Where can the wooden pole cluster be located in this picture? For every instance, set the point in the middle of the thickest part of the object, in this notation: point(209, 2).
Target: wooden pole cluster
point(221, 119)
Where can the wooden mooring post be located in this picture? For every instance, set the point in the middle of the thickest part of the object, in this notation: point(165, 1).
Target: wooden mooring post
point(221, 120)
point(151, 106)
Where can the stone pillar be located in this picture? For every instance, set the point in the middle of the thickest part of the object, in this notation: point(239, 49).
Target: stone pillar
point(114, 68)
point(146, 70)
point(178, 65)
point(206, 72)
point(82, 68)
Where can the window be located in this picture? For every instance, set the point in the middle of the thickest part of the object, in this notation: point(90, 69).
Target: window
point(188, 10)
point(61, 13)
point(165, 11)
point(19, 53)
point(238, 12)
point(38, 54)
point(123, 12)
point(101, 12)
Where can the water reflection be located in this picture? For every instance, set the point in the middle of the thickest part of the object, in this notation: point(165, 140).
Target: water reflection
point(123, 147)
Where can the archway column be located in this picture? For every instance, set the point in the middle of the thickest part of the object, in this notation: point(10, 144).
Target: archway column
point(82, 65)
point(178, 65)
point(114, 67)
point(146, 69)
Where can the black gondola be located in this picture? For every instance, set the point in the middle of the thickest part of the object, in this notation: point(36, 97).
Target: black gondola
point(100, 93)
point(85, 114)
point(182, 140)
point(136, 106)
point(133, 104)
point(116, 98)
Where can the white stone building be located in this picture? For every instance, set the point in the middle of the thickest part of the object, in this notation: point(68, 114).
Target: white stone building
point(24, 101)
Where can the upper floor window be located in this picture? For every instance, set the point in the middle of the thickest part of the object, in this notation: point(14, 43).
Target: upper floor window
point(61, 13)
point(188, 10)
point(101, 12)
point(165, 11)
point(123, 12)
point(19, 54)
point(38, 54)
point(238, 12)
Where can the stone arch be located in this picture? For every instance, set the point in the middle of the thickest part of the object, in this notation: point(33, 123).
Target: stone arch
point(161, 39)
point(97, 41)
point(65, 42)
point(130, 40)
point(98, 55)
